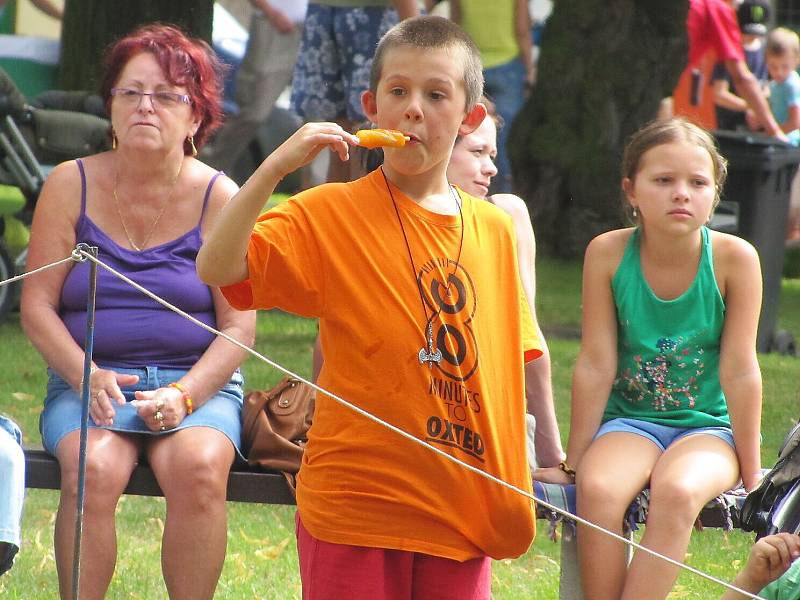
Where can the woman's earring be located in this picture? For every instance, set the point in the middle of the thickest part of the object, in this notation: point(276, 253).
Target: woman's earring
point(113, 139)
point(634, 212)
point(190, 139)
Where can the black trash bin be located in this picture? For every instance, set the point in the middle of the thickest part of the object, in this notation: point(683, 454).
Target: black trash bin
point(760, 173)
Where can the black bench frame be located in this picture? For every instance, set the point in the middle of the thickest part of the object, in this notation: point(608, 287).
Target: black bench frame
point(245, 484)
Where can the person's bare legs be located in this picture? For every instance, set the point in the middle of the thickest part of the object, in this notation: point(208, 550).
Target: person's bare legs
point(192, 469)
point(691, 472)
point(615, 468)
point(110, 460)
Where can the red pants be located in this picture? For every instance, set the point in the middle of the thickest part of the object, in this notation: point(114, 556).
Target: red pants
point(338, 571)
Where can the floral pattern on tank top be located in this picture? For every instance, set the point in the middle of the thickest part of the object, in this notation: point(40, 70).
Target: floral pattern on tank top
point(670, 379)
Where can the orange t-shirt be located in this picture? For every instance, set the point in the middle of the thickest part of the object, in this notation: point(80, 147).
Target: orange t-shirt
point(337, 252)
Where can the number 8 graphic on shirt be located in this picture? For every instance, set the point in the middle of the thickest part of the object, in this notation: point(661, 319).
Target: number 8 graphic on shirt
point(452, 333)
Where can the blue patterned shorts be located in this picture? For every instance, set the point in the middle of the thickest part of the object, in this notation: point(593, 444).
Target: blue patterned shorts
point(662, 436)
point(335, 58)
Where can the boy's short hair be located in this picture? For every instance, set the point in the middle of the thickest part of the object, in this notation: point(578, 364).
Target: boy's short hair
point(433, 32)
point(782, 41)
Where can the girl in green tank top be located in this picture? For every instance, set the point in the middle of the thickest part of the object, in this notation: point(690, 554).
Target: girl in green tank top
point(667, 389)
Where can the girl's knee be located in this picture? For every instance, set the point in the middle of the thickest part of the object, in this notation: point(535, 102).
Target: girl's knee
point(676, 501)
point(599, 496)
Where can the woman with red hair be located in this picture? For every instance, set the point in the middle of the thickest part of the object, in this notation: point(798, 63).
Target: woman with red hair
point(161, 388)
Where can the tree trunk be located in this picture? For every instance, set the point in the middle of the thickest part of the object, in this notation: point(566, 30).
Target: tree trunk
point(605, 65)
point(91, 25)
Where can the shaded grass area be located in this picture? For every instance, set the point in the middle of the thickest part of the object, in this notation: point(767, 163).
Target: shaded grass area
point(261, 560)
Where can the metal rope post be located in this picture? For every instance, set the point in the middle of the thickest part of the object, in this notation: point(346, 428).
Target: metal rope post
point(87, 370)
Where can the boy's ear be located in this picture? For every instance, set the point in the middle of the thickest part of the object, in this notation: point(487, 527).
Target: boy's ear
point(472, 119)
point(370, 106)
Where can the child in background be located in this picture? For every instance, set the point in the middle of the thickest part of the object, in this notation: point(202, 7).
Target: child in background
point(416, 328)
point(753, 16)
point(772, 570)
point(783, 57)
point(667, 387)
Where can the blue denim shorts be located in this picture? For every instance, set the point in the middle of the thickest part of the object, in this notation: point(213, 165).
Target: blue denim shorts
point(62, 408)
point(335, 58)
point(662, 435)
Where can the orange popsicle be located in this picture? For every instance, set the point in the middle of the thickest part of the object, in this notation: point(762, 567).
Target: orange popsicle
point(373, 138)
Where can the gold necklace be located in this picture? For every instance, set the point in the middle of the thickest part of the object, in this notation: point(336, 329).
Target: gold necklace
point(157, 219)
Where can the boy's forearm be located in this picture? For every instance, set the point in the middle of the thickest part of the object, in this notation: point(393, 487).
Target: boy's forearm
point(749, 88)
point(222, 259)
point(793, 122)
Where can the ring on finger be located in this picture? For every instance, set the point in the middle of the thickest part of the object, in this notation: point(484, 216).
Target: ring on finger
point(159, 404)
point(159, 417)
point(163, 427)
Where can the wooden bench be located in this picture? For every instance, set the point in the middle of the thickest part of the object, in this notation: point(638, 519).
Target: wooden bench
point(249, 485)
point(244, 484)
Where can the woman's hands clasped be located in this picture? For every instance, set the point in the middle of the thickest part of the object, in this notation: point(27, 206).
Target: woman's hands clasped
point(161, 409)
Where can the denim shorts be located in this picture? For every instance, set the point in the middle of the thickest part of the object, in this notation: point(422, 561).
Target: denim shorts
point(62, 408)
point(335, 58)
point(662, 435)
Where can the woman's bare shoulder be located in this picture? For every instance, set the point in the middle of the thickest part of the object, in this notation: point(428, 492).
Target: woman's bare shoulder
point(223, 189)
point(513, 205)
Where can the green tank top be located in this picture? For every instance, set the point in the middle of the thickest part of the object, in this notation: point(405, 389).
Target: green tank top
point(491, 26)
point(668, 369)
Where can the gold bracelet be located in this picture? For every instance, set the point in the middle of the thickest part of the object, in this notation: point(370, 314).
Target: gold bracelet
point(567, 469)
point(187, 398)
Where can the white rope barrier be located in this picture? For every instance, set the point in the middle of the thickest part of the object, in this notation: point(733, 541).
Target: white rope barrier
point(82, 255)
point(44, 268)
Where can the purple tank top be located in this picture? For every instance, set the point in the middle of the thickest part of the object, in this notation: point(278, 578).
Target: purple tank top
point(132, 330)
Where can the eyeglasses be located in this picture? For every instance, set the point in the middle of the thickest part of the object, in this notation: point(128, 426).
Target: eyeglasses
point(161, 99)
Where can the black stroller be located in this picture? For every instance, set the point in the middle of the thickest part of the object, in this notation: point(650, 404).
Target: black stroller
point(55, 127)
point(774, 506)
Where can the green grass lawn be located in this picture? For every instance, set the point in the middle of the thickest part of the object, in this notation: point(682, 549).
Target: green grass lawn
point(261, 560)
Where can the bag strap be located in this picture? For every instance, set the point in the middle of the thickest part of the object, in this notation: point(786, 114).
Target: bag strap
point(281, 386)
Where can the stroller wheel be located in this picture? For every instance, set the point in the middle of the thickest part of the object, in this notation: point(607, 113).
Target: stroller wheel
point(8, 293)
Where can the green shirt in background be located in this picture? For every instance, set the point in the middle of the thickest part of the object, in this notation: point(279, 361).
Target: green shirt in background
point(491, 24)
point(668, 367)
point(785, 587)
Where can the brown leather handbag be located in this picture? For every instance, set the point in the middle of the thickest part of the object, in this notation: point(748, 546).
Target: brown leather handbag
point(274, 426)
